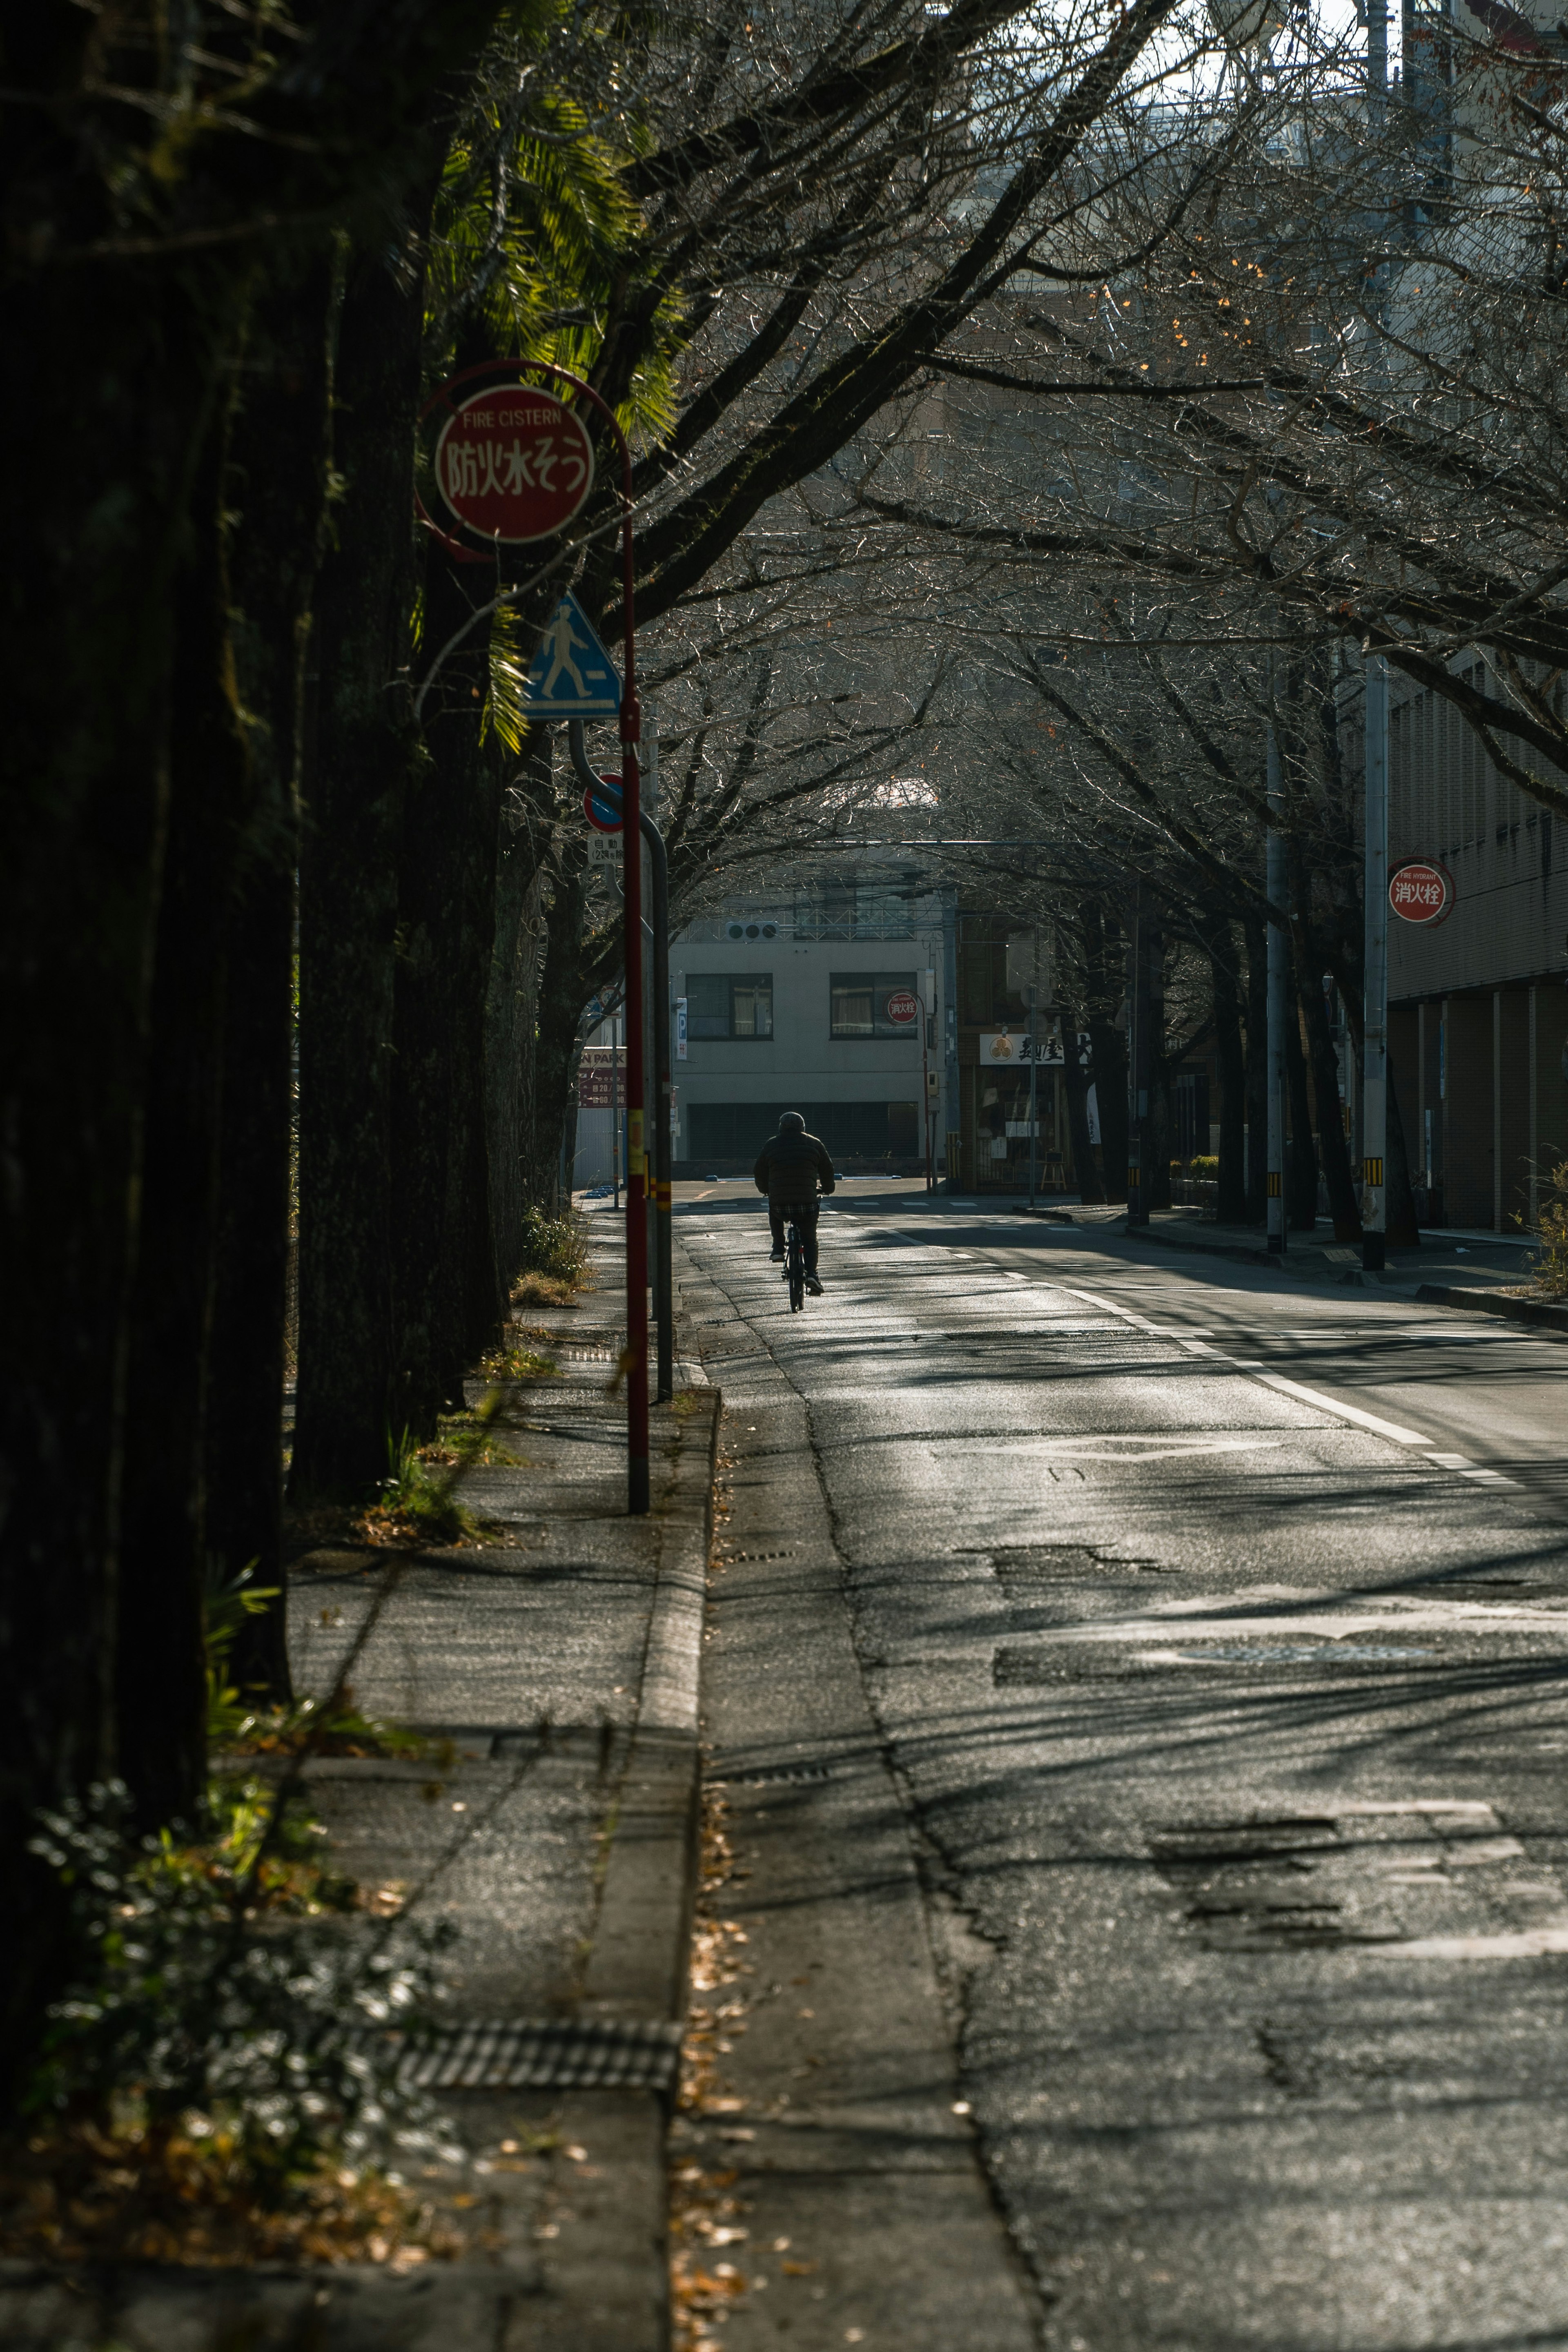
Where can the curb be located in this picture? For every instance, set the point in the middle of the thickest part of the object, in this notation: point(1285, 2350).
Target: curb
point(1236, 1251)
point(611, 2271)
point(1485, 1302)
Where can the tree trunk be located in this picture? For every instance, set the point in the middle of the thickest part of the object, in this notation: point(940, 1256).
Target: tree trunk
point(94, 519)
point(1256, 1053)
point(1104, 992)
point(1159, 1124)
point(278, 458)
point(509, 1016)
point(1400, 1215)
point(1075, 1086)
point(563, 993)
point(160, 1686)
point(1301, 1173)
point(1230, 1200)
point(435, 1067)
point(1345, 1203)
point(347, 1402)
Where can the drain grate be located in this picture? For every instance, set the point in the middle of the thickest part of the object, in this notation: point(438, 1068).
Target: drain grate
point(549, 2054)
point(763, 1775)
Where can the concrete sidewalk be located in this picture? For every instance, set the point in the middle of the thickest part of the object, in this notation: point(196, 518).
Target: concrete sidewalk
point(560, 1660)
point(1478, 1261)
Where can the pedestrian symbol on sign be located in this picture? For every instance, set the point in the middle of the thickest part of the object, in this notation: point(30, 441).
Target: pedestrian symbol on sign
point(571, 675)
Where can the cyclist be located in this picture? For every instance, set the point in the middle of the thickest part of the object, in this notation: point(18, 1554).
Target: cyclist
point(790, 1166)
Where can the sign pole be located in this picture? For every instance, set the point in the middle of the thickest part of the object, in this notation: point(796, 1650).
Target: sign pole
point(515, 466)
point(663, 1091)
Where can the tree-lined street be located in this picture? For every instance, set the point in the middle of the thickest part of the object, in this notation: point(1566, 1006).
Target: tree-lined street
point(1154, 1678)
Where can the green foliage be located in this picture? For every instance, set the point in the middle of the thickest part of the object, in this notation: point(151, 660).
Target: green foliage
point(218, 1982)
point(226, 1608)
point(1204, 1165)
point(556, 1246)
point(420, 1496)
point(1551, 1268)
point(420, 1500)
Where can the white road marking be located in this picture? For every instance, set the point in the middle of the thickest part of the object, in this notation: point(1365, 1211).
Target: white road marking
point(1327, 1625)
point(1372, 1421)
point(1525, 1944)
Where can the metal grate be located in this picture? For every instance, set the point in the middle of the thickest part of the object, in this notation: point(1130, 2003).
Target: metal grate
point(549, 2054)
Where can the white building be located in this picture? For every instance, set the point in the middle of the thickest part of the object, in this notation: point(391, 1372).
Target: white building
point(825, 1000)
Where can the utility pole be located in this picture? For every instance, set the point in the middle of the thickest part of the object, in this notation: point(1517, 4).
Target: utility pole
point(1277, 884)
point(616, 1109)
point(1375, 1016)
point(1374, 714)
point(927, 1040)
point(951, 1092)
point(1033, 1061)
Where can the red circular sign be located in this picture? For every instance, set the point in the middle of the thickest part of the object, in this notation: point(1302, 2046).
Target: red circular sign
point(1421, 891)
point(903, 1008)
point(513, 464)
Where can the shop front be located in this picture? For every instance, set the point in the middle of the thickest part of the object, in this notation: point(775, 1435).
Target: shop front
point(995, 1133)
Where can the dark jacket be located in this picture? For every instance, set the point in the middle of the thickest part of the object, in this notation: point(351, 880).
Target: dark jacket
point(789, 1167)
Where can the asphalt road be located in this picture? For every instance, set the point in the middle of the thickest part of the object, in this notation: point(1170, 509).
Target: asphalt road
point(1210, 1632)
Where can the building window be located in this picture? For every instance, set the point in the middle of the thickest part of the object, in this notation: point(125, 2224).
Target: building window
point(875, 1004)
point(729, 1004)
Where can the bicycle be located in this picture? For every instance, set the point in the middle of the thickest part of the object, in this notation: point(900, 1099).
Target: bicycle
point(795, 1266)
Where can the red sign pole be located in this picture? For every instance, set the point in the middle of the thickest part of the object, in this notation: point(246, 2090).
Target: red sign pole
point(515, 490)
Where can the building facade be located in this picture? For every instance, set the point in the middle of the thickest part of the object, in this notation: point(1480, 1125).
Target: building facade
point(1479, 1003)
point(826, 1001)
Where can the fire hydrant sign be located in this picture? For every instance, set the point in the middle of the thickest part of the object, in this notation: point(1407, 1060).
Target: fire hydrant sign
point(513, 464)
point(903, 1009)
point(1421, 891)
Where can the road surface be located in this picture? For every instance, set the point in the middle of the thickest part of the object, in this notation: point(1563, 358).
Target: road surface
point(1140, 1688)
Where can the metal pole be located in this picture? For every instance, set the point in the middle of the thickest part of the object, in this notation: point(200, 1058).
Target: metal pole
point(1277, 884)
point(928, 1117)
point(1374, 712)
point(1374, 1019)
point(614, 1112)
point(659, 1193)
point(663, 1254)
point(632, 933)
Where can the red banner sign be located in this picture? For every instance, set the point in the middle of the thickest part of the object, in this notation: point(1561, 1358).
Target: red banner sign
point(1421, 891)
point(595, 1083)
point(513, 464)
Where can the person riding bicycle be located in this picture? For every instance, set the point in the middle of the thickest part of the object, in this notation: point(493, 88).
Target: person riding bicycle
point(790, 1166)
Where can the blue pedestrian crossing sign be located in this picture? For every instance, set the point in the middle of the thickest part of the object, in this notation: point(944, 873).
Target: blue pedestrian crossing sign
point(571, 675)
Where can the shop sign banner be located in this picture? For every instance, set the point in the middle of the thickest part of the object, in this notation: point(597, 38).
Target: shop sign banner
point(680, 1028)
point(594, 1080)
point(1008, 1046)
point(1421, 891)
